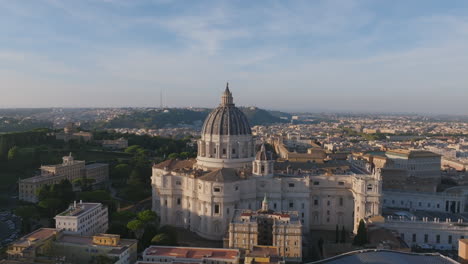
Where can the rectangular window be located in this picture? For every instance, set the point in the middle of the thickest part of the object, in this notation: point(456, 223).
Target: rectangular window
point(316, 183)
point(426, 238)
point(341, 201)
point(450, 239)
point(216, 189)
point(291, 185)
point(315, 202)
point(178, 183)
point(328, 203)
point(233, 151)
point(438, 239)
point(224, 151)
point(291, 204)
point(340, 183)
point(303, 205)
point(216, 209)
point(178, 201)
point(414, 238)
point(274, 206)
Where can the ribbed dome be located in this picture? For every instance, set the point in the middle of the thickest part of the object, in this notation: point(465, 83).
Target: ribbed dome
point(226, 119)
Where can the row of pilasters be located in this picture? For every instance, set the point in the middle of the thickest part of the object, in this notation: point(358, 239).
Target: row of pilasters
point(229, 150)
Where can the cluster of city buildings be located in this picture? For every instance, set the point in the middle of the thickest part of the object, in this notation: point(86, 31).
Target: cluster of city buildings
point(320, 178)
point(264, 190)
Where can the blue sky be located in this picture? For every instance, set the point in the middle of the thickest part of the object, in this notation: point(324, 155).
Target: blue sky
point(343, 55)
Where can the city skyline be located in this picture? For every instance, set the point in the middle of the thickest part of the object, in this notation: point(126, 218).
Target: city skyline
point(358, 56)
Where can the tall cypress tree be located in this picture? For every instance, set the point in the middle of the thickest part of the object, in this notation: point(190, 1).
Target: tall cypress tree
point(361, 237)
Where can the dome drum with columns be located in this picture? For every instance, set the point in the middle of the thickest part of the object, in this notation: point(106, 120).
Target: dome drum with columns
point(226, 139)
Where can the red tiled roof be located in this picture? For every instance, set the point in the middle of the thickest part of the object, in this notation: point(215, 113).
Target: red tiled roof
point(192, 252)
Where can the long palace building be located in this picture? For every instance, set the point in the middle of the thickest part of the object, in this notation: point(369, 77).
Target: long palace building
point(202, 195)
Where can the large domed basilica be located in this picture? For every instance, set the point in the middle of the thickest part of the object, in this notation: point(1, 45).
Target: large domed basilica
point(228, 174)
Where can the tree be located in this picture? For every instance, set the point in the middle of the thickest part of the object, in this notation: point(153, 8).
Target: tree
point(52, 205)
point(165, 239)
point(137, 227)
point(84, 183)
point(173, 156)
point(121, 171)
point(184, 155)
point(147, 216)
point(27, 213)
point(134, 178)
point(135, 149)
point(13, 153)
point(361, 237)
point(148, 234)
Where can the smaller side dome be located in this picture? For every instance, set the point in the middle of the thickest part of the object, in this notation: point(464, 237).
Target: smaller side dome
point(263, 154)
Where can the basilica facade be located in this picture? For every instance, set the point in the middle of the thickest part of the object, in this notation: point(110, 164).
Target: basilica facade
point(229, 173)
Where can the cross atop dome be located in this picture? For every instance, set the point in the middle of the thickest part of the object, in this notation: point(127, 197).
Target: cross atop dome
point(227, 99)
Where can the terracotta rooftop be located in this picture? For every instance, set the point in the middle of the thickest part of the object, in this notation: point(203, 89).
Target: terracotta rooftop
point(36, 236)
point(192, 252)
point(174, 164)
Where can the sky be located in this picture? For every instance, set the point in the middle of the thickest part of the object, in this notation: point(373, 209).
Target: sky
point(334, 55)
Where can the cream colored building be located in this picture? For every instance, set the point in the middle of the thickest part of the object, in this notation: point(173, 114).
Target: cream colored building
point(202, 195)
point(97, 171)
point(32, 245)
point(70, 169)
point(120, 143)
point(266, 227)
point(83, 219)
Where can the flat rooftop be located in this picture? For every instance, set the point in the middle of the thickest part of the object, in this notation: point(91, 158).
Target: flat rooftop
point(96, 165)
point(73, 162)
point(412, 153)
point(376, 256)
point(35, 236)
point(192, 252)
point(84, 240)
point(419, 214)
point(80, 208)
point(41, 178)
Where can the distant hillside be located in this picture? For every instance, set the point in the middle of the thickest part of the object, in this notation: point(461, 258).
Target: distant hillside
point(259, 116)
point(9, 124)
point(176, 117)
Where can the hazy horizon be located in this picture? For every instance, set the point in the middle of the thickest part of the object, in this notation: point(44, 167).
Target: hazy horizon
point(308, 56)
